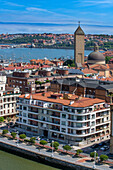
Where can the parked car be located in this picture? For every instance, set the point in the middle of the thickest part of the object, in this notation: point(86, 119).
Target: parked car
point(95, 146)
point(104, 148)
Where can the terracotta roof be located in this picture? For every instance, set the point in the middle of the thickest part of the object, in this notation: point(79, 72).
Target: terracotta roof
point(42, 61)
point(78, 102)
point(86, 71)
point(100, 67)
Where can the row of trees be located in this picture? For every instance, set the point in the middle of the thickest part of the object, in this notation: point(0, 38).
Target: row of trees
point(102, 157)
point(53, 144)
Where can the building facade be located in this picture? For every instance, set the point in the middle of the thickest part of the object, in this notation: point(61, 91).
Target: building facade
point(64, 117)
point(92, 88)
point(8, 99)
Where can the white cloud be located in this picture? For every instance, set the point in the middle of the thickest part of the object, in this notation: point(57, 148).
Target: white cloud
point(38, 9)
point(12, 4)
point(95, 2)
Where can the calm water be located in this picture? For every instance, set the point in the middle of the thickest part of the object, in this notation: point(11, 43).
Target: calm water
point(13, 162)
point(26, 54)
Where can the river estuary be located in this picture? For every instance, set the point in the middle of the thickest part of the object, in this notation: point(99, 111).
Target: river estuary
point(12, 162)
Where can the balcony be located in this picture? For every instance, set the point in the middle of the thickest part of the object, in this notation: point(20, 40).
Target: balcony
point(32, 117)
point(33, 124)
point(55, 129)
point(55, 115)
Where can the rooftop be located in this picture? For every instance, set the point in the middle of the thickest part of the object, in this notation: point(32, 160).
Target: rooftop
point(64, 99)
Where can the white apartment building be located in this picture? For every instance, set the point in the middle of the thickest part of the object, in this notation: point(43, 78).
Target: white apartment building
point(8, 98)
point(64, 117)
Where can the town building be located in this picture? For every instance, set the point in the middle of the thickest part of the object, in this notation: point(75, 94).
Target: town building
point(8, 99)
point(64, 117)
point(96, 57)
point(93, 88)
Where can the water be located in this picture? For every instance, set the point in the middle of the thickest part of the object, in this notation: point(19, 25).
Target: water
point(26, 54)
point(13, 162)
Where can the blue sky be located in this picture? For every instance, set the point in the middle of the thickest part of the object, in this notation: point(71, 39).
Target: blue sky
point(56, 16)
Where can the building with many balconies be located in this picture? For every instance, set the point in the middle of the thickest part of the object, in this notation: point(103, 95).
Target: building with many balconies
point(8, 98)
point(64, 117)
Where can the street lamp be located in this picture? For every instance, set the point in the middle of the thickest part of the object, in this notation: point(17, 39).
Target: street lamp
point(94, 167)
point(17, 139)
point(52, 149)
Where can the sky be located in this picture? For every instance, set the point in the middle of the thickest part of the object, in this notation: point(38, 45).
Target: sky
point(56, 16)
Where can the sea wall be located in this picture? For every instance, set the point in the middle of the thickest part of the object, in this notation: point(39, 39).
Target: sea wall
point(41, 157)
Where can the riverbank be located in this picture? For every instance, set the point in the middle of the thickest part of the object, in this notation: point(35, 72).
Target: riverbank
point(43, 154)
point(41, 157)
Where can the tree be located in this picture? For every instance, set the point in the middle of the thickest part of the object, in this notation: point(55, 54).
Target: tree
point(103, 157)
point(5, 131)
point(43, 142)
point(13, 134)
point(73, 65)
point(22, 136)
point(1, 119)
point(107, 59)
point(55, 145)
point(8, 119)
point(67, 147)
point(32, 140)
point(78, 152)
point(92, 154)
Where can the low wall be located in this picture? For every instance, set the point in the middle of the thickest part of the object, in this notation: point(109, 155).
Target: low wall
point(39, 157)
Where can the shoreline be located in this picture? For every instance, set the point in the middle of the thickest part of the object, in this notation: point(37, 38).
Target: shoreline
point(41, 158)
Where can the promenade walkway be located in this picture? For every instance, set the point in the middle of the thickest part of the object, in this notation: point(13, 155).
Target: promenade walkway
point(85, 161)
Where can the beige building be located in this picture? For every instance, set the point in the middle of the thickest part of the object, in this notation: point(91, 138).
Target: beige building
point(111, 138)
point(64, 117)
point(79, 47)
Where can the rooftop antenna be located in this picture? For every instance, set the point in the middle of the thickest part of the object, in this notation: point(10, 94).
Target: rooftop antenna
point(78, 23)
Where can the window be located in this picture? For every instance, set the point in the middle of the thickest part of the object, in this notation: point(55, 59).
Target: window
point(24, 108)
point(79, 124)
point(24, 121)
point(64, 116)
point(63, 123)
point(24, 114)
point(73, 110)
point(63, 130)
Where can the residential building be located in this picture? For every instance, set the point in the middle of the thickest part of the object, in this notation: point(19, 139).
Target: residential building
point(64, 117)
point(92, 88)
point(8, 99)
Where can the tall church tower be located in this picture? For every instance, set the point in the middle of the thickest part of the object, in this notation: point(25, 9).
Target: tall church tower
point(79, 46)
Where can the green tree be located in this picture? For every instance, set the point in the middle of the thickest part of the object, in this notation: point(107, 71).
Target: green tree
point(78, 152)
point(8, 119)
point(32, 140)
point(55, 145)
point(5, 131)
point(43, 142)
point(107, 59)
point(1, 119)
point(67, 147)
point(103, 157)
point(73, 65)
point(92, 154)
point(22, 136)
point(13, 134)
